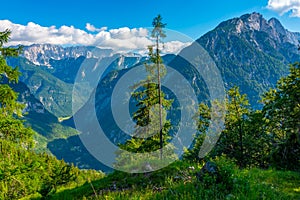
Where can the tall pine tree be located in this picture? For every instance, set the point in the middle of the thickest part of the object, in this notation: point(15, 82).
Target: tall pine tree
point(152, 127)
point(158, 33)
point(11, 129)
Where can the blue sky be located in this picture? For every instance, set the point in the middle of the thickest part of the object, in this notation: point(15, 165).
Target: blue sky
point(191, 17)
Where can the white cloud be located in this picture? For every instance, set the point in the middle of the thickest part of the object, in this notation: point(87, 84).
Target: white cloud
point(92, 28)
point(174, 46)
point(284, 6)
point(121, 40)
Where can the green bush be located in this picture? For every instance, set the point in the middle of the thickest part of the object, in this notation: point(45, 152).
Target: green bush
point(223, 179)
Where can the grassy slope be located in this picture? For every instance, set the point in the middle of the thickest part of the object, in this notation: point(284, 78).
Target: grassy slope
point(178, 182)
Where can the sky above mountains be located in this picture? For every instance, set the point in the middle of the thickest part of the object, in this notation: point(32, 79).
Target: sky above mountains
point(121, 24)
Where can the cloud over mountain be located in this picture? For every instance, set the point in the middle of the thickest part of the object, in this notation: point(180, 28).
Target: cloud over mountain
point(285, 6)
point(120, 40)
point(92, 28)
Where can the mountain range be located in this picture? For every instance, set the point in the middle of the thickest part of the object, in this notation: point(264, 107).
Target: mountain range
point(42, 54)
point(249, 51)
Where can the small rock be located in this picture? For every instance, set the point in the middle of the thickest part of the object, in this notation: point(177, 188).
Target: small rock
point(148, 167)
point(210, 168)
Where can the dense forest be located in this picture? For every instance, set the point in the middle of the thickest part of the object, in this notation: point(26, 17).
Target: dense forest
point(256, 157)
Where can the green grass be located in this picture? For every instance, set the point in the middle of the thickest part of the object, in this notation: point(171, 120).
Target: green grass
point(287, 182)
point(179, 182)
point(79, 186)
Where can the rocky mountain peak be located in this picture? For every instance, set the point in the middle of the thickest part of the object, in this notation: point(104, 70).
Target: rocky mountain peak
point(255, 22)
point(275, 24)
